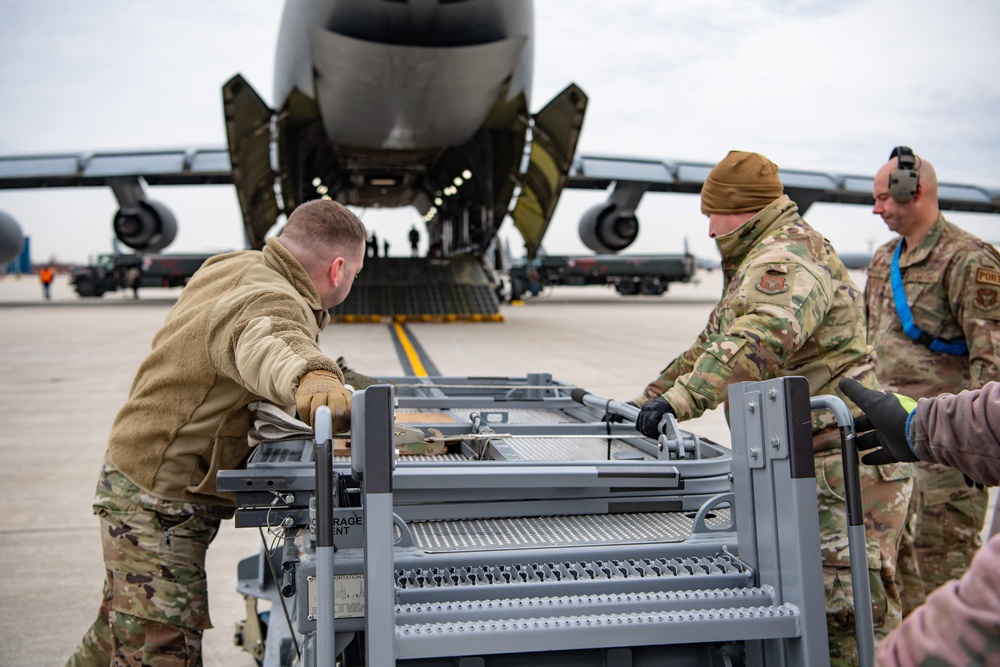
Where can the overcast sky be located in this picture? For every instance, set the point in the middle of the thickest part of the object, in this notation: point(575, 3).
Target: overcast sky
point(812, 84)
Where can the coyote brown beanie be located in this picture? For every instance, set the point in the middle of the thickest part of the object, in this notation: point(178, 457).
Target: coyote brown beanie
point(742, 182)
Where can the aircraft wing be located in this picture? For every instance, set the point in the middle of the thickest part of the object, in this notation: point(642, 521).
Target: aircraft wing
point(140, 223)
point(126, 172)
point(210, 165)
point(172, 166)
point(595, 172)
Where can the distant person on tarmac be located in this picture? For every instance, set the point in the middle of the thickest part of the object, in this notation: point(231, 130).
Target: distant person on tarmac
point(788, 308)
point(244, 329)
point(45, 277)
point(132, 279)
point(414, 240)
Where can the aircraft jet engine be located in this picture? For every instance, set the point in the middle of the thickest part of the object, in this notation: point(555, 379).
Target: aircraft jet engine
point(146, 226)
point(612, 226)
point(11, 238)
point(605, 228)
point(140, 223)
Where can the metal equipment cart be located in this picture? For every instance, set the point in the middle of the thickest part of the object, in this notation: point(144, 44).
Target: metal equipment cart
point(538, 533)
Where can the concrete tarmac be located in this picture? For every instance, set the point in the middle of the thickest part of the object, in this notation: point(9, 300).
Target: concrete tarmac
point(68, 364)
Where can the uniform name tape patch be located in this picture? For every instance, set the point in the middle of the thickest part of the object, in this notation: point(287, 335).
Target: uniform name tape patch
point(988, 277)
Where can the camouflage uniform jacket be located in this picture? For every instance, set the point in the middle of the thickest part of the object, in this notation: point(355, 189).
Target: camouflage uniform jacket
point(788, 307)
point(244, 329)
point(952, 283)
point(960, 622)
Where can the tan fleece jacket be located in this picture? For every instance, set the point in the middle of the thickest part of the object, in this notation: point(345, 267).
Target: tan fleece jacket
point(244, 329)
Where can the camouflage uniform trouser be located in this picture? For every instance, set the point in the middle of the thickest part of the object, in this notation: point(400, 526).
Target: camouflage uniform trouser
point(886, 493)
point(948, 525)
point(155, 598)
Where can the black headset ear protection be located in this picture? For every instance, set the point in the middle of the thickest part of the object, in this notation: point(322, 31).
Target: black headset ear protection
point(904, 180)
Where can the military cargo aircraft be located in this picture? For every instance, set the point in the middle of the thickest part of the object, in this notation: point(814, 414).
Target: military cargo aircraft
point(395, 104)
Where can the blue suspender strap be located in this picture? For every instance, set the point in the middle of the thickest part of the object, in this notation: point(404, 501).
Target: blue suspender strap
point(906, 315)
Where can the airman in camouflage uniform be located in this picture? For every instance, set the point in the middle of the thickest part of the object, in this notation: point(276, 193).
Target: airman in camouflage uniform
point(790, 308)
point(245, 329)
point(952, 284)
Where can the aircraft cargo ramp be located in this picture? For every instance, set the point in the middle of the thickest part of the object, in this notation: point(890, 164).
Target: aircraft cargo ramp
point(421, 289)
point(515, 526)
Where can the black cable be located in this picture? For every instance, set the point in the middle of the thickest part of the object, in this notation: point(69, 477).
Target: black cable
point(607, 424)
point(281, 600)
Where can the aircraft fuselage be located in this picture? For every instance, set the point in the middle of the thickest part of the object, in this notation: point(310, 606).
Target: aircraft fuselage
point(384, 103)
point(404, 75)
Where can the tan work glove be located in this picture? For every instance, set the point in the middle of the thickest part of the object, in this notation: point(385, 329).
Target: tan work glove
point(319, 387)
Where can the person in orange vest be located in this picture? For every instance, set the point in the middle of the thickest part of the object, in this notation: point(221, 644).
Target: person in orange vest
point(45, 276)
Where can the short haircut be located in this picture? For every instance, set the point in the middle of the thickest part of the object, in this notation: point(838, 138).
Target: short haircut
point(325, 224)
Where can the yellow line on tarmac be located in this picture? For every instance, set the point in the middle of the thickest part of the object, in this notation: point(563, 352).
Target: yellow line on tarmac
point(411, 352)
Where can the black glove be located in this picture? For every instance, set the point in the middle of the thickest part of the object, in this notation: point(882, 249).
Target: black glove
point(614, 417)
point(883, 423)
point(969, 482)
point(650, 416)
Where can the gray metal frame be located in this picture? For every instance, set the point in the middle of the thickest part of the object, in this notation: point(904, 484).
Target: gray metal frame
point(745, 580)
